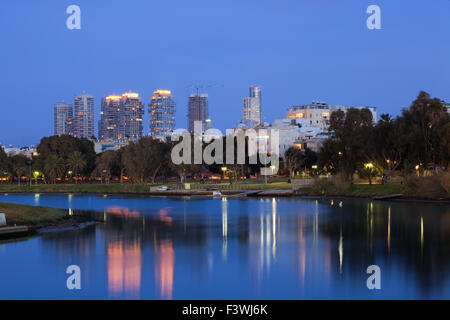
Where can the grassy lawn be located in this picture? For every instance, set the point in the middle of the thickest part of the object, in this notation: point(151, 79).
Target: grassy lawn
point(375, 189)
point(360, 190)
point(30, 215)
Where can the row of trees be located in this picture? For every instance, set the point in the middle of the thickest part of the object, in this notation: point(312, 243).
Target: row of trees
point(65, 158)
point(418, 139)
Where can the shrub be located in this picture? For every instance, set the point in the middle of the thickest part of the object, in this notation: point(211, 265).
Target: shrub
point(436, 186)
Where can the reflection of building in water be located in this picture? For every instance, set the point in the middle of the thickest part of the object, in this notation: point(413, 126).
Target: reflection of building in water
point(224, 228)
point(164, 267)
point(263, 237)
point(124, 269)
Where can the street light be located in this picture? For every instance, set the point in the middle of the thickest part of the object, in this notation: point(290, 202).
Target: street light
point(35, 175)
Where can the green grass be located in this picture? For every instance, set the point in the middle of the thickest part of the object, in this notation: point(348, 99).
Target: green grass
point(360, 190)
point(375, 189)
point(30, 215)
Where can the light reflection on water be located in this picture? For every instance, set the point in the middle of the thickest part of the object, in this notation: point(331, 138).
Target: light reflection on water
point(270, 248)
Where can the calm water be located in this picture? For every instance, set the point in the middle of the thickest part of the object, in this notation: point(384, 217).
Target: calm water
point(268, 248)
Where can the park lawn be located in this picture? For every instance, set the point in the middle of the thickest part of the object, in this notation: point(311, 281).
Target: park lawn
point(362, 190)
point(30, 215)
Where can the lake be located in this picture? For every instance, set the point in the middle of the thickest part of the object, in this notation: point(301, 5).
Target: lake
point(255, 248)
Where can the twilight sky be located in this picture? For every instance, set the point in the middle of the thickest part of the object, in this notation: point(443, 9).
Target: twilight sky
point(298, 50)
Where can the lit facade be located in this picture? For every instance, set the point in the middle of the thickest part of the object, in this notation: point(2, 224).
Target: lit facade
point(108, 126)
point(83, 124)
point(252, 107)
point(318, 113)
point(162, 114)
point(131, 112)
point(63, 119)
point(197, 110)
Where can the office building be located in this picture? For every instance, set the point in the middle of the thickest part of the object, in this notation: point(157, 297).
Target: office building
point(108, 126)
point(63, 119)
point(130, 116)
point(252, 107)
point(83, 123)
point(162, 114)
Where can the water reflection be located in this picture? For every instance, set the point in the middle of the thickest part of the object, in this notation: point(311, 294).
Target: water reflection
point(124, 269)
point(271, 248)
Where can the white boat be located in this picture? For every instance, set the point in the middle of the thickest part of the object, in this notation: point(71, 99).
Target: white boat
point(217, 194)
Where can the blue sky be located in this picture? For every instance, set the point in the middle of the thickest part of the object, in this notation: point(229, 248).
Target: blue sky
point(298, 50)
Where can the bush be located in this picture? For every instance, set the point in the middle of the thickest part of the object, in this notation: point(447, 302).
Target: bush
point(436, 186)
point(336, 185)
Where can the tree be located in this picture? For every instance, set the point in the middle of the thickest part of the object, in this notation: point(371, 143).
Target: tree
point(64, 146)
point(19, 166)
point(423, 123)
point(4, 164)
point(350, 133)
point(297, 159)
point(107, 164)
point(76, 163)
point(387, 146)
point(53, 167)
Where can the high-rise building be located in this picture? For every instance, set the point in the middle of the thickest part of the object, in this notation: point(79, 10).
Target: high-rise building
point(63, 119)
point(130, 117)
point(197, 110)
point(252, 107)
point(84, 116)
point(108, 126)
point(162, 114)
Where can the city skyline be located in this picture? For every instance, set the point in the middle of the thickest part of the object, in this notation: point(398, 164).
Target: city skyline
point(294, 56)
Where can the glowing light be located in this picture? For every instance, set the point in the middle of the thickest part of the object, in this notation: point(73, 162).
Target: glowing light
point(163, 92)
point(113, 98)
point(130, 95)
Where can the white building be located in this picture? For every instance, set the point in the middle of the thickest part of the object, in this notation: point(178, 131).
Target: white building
point(318, 113)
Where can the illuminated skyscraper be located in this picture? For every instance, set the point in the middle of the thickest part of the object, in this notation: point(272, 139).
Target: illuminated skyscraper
point(108, 126)
point(197, 110)
point(83, 124)
point(63, 119)
point(252, 107)
point(130, 117)
point(162, 114)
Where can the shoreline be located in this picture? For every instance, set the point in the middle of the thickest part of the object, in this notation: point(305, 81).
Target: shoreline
point(239, 194)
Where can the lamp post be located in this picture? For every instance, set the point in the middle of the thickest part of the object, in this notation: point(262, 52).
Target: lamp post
point(224, 169)
point(29, 163)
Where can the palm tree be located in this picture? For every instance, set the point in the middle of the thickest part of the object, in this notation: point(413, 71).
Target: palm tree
point(19, 170)
point(53, 167)
point(76, 162)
